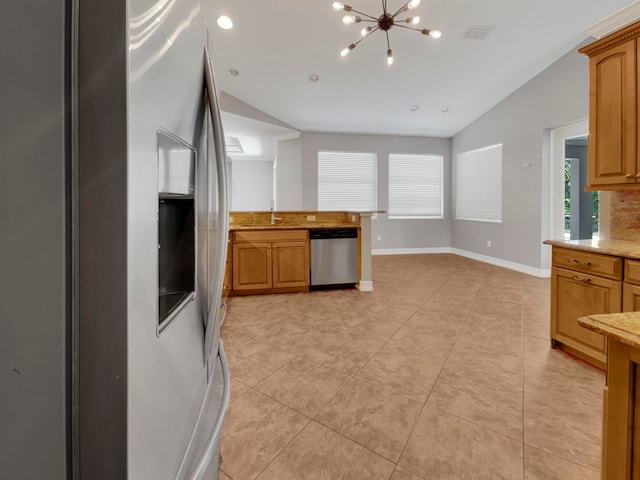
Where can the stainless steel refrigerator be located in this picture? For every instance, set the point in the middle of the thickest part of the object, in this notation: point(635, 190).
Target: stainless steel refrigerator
point(113, 244)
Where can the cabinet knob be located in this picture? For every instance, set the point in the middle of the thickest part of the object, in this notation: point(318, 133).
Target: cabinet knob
point(637, 175)
point(628, 176)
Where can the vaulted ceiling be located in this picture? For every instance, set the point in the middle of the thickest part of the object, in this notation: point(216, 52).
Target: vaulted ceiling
point(276, 44)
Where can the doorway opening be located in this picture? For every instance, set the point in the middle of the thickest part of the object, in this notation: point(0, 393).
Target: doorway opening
point(574, 213)
point(581, 208)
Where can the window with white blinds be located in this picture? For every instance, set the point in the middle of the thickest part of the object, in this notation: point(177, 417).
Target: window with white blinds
point(479, 184)
point(415, 186)
point(347, 181)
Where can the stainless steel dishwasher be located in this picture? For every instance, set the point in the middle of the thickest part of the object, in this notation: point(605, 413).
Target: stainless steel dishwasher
point(334, 256)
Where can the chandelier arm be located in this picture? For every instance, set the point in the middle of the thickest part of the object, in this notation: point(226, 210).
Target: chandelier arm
point(364, 14)
point(384, 7)
point(408, 28)
point(402, 9)
point(355, 44)
point(388, 45)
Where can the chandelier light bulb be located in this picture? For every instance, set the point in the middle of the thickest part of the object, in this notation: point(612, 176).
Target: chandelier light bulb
point(346, 50)
point(431, 33)
point(389, 57)
point(349, 19)
point(413, 4)
point(413, 20)
point(365, 31)
point(338, 5)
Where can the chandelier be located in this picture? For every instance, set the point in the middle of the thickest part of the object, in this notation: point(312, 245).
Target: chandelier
point(384, 22)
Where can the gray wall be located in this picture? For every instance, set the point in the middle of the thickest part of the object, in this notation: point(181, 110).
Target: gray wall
point(395, 234)
point(556, 97)
point(289, 175)
point(231, 104)
point(32, 240)
point(251, 185)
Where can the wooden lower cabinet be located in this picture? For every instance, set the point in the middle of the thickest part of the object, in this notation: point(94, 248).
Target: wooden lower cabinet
point(270, 261)
point(621, 415)
point(583, 283)
point(574, 295)
point(251, 266)
point(630, 298)
point(290, 264)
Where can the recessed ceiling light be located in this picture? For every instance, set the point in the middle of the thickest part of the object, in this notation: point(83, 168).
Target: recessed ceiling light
point(232, 72)
point(225, 22)
point(314, 77)
point(414, 108)
point(444, 109)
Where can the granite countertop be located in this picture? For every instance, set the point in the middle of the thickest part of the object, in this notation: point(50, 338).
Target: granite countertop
point(623, 327)
point(621, 248)
point(292, 226)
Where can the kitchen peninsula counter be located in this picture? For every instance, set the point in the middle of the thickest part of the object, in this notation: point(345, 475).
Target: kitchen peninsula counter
point(619, 248)
point(245, 228)
point(292, 220)
point(291, 226)
point(621, 400)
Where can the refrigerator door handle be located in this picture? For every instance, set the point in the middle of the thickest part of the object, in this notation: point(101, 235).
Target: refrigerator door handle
point(221, 252)
point(216, 433)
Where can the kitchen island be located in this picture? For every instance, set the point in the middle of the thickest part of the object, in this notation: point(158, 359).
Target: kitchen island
point(621, 412)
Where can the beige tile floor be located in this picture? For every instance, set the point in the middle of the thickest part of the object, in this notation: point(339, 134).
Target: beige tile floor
point(443, 372)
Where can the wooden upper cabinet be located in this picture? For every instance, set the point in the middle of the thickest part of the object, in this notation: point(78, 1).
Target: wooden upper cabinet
point(613, 121)
point(613, 105)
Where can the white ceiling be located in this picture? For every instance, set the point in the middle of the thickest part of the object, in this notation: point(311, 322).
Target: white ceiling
point(276, 44)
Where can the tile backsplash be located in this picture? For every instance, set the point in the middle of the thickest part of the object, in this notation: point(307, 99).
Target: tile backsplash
point(625, 215)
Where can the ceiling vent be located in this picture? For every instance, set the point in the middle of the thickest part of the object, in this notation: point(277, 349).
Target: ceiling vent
point(233, 145)
point(476, 32)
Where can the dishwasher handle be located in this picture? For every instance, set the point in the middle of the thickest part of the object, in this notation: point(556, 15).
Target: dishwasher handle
point(328, 233)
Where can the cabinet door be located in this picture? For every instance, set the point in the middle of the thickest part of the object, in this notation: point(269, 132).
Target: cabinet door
point(290, 264)
point(612, 120)
point(631, 298)
point(575, 295)
point(251, 266)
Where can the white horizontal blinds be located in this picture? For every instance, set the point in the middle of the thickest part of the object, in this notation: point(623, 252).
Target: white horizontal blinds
point(479, 184)
point(415, 186)
point(347, 181)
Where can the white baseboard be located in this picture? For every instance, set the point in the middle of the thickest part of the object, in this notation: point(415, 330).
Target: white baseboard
point(498, 262)
point(409, 251)
point(536, 272)
point(365, 286)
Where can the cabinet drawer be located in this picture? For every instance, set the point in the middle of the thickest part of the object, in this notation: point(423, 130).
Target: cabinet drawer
point(596, 263)
point(253, 236)
point(632, 271)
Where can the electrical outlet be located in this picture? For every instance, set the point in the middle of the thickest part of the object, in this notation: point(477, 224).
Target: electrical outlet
point(311, 218)
point(353, 218)
point(379, 237)
point(489, 243)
